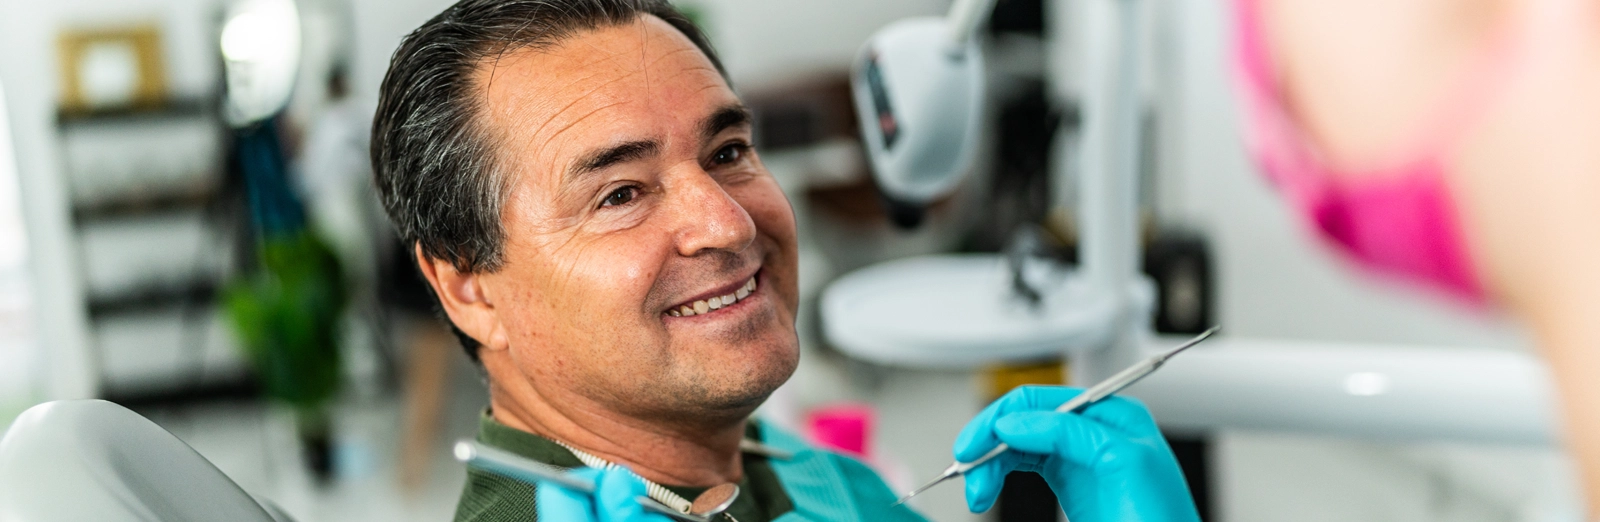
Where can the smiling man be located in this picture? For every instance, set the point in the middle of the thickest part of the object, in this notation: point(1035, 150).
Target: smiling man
point(578, 182)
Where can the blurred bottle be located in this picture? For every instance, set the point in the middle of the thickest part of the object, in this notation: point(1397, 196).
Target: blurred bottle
point(848, 428)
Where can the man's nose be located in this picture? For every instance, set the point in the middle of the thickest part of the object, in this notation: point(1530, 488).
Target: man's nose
point(709, 218)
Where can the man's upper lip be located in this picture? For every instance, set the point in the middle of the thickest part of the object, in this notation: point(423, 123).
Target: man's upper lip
point(719, 291)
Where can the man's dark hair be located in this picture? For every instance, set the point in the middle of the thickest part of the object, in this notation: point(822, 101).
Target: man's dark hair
point(432, 161)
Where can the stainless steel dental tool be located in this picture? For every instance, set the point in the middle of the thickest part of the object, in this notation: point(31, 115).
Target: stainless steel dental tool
point(1090, 396)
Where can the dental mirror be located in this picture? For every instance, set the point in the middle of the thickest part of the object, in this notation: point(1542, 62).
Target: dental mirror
point(714, 501)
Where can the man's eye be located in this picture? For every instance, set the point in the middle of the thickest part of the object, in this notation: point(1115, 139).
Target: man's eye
point(620, 197)
point(730, 154)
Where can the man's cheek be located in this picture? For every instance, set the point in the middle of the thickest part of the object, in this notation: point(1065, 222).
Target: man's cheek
point(613, 281)
point(769, 209)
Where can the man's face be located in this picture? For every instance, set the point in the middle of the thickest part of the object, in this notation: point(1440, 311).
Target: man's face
point(634, 198)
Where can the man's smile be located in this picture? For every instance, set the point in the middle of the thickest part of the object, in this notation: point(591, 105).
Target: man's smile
point(721, 299)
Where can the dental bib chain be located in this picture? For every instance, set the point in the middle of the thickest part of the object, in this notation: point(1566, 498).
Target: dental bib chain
point(656, 491)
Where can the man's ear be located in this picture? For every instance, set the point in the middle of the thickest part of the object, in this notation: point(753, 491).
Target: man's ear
point(462, 296)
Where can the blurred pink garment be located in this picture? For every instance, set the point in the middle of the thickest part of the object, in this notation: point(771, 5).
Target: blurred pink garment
point(844, 427)
point(1396, 218)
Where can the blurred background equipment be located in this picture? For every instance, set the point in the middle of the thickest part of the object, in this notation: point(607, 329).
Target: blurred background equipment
point(1126, 276)
point(919, 92)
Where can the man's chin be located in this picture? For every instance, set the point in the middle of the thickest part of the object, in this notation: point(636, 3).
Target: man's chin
point(753, 391)
point(734, 389)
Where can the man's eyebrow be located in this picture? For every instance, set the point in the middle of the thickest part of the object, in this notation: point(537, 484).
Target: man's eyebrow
point(608, 156)
point(726, 117)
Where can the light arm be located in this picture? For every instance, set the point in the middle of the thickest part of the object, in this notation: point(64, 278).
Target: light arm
point(964, 19)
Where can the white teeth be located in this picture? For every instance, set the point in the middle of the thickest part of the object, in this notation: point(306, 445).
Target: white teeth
point(706, 306)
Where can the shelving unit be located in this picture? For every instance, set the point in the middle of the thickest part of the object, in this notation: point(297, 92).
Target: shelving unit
point(154, 248)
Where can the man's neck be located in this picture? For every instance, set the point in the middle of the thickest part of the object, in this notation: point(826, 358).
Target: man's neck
point(705, 455)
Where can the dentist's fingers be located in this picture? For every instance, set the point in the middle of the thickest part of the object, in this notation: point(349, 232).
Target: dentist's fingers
point(617, 498)
point(977, 437)
point(554, 502)
point(1071, 437)
point(983, 483)
point(1123, 414)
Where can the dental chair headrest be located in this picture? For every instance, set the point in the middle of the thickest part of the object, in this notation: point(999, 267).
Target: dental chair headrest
point(94, 460)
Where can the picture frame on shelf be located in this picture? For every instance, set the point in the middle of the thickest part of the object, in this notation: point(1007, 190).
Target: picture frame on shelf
point(112, 68)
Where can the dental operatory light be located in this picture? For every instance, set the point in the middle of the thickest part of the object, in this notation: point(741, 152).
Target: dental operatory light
point(918, 89)
point(260, 44)
point(1366, 384)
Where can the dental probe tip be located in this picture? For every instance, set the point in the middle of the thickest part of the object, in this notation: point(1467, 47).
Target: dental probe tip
point(1190, 343)
point(941, 478)
point(908, 496)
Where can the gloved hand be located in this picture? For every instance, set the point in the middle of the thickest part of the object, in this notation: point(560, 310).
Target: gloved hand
point(612, 501)
point(1107, 464)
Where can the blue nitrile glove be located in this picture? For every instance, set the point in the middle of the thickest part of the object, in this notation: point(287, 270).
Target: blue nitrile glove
point(1107, 464)
point(613, 499)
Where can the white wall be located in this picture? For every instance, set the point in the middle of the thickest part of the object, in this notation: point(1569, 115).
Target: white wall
point(379, 25)
point(760, 42)
point(17, 361)
point(28, 69)
point(766, 41)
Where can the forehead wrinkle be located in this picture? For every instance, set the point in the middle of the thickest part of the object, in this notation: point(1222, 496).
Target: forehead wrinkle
point(675, 53)
point(705, 82)
point(514, 100)
point(565, 50)
point(540, 146)
point(574, 103)
point(567, 126)
point(714, 85)
point(709, 87)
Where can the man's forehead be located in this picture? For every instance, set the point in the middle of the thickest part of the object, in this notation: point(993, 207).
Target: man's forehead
point(611, 80)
